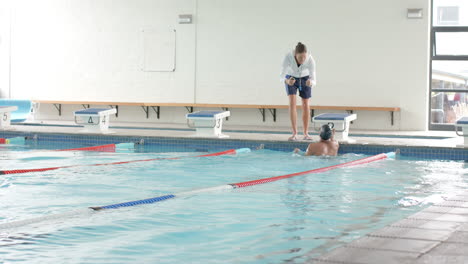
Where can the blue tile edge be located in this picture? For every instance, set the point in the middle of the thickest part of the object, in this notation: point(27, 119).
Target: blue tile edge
point(207, 144)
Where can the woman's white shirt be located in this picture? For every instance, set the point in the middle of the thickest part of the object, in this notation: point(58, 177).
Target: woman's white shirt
point(289, 67)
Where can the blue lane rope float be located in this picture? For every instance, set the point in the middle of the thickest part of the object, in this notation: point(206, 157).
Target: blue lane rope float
point(129, 145)
point(138, 202)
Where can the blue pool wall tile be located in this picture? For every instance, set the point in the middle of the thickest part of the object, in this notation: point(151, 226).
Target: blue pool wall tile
point(206, 144)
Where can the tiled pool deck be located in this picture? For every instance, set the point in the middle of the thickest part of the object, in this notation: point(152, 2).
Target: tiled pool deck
point(437, 234)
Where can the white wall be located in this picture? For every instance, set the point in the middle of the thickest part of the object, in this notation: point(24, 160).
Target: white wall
point(93, 50)
point(4, 49)
point(368, 53)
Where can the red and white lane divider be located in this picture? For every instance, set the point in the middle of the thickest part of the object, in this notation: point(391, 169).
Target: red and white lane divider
point(62, 153)
point(103, 148)
point(247, 183)
point(13, 141)
point(227, 152)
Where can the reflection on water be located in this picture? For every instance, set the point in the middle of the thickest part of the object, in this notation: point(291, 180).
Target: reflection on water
point(285, 221)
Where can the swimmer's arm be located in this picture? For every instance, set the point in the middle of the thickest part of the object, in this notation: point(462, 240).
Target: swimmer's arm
point(300, 152)
point(309, 150)
point(332, 139)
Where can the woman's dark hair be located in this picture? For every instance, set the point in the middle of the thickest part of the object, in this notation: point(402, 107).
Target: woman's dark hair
point(300, 48)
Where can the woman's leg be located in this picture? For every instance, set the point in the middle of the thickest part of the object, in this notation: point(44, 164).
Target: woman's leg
point(293, 115)
point(305, 117)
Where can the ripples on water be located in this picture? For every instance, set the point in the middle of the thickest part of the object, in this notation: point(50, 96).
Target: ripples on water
point(286, 221)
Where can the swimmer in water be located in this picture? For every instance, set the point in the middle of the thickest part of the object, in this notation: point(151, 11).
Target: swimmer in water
point(327, 146)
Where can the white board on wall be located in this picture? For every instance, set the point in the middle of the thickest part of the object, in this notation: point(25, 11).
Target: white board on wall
point(159, 50)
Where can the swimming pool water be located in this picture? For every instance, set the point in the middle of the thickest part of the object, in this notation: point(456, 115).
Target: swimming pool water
point(290, 220)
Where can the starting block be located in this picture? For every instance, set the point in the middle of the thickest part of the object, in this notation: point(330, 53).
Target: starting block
point(5, 113)
point(207, 123)
point(340, 122)
point(463, 124)
point(95, 120)
point(24, 109)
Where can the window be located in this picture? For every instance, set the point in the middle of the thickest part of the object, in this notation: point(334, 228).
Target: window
point(449, 64)
point(451, 43)
point(447, 15)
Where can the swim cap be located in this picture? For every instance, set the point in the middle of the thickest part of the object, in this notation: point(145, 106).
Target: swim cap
point(325, 132)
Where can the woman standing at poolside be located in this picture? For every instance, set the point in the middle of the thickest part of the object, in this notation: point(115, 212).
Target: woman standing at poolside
point(298, 73)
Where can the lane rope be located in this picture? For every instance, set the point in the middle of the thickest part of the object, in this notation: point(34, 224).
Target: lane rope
point(248, 183)
point(103, 148)
point(17, 171)
point(166, 197)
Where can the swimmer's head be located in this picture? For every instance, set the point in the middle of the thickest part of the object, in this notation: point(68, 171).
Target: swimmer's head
point(325, 132)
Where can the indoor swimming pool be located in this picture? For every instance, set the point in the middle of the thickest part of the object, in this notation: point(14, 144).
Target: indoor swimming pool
point(291, 220)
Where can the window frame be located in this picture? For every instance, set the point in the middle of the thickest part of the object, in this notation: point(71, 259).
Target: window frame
point(435, 57)
point(444, 29)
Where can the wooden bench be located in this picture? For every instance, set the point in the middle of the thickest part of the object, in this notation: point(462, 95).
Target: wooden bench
point(85, 104)
point(156, 107)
